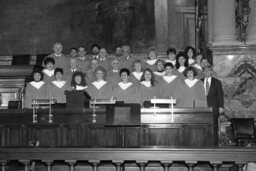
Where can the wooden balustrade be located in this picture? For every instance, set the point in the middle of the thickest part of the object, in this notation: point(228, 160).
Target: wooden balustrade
point(119, 157)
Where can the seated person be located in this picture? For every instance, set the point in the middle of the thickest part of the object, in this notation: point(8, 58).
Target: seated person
point(137, 71)
point(35, 89)
point(192, 91)
point(56, 89)
point(170, 83)
point(148, 88)
point(152, 58)
point(49, 70)
point(78, 81)
point(171, 54)
point(100, 89)
point(124, 90)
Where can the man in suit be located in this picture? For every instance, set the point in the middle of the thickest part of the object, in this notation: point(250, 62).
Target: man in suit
point(214, 95)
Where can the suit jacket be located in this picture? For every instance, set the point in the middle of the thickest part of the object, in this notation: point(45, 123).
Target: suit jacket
point(215, 95)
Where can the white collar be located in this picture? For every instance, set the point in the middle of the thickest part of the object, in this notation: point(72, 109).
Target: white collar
point(82, 58)
point(146, 83)
point(191, 61)
point(78, 87)
point(124, 86)
point(58, 55)
point(197, 66)
point(37, 85)
point(161, 74)
point(169, 79)
point(99, 84)
point(151, 61)
point(48, 72)
point(208, 79)
point(173, 62)
point(181, 69)
point(190, 83)
point(137, 75)
point(59, 84)
point(115, 71)
point(74, 70)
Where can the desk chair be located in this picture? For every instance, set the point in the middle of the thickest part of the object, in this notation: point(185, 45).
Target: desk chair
point(243, 130)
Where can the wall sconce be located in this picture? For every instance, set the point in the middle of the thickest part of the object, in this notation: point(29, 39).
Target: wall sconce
point(242, 17)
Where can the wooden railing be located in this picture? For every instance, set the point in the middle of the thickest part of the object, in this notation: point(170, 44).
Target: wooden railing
point(119, 157)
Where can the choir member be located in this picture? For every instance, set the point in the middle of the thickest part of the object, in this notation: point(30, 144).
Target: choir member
point(159, 68)
point(137, 72)
point(72, 68)
point(61, 61)
point(113, 76)
point(90, 73)
point(118, 52)
point(126, 60)
point(103, 60)
point(170, 83)
point(35, 89)
point(56, 89)
point(148, 88)
point(124, 90)
point(181, 64)
point(191, 54)
point(95, 51)
point(72, 53)
point(48, 72)
point(197, 66)
point(152, 58)
point(83, 61)
point(78, 81)
point(191, 94)
point(100, 89)
point(171, 55)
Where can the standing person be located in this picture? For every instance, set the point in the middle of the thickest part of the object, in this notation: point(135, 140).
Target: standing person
point(191, 93)
point(49, 70)
point(95, 51)
point(152, 58)
point(181, 64)
point(61, 61)
point(137, 72)
point(113, 76)
point(126, 59)
point(72, 53)
point(100, 89)
point(170, 83)
point(56, 89)
point(35, 89)
point(78, 81)
point(103, 60)
point(72, 68)
point(90, 73)
point(171, 55)
point(83, 61)
point(124, 90)
point(191, 54)
point(148, 88)
point(118, 52)
point(214, 94)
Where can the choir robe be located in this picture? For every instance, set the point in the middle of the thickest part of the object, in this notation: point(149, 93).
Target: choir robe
point(34, 92)
point(190, 94)
point(56, 92)
point(170, 85)
point(90, 76)
point(179, 72)
point(83, 63)
point(127, 95)
point(113, 77)
point(144, 93)
point(48, 75)
point(158, 75)
point(104, 92)
point(106, 63)
point(60, 61)
point(169, 61)
point(151, 63)
point(135, 78)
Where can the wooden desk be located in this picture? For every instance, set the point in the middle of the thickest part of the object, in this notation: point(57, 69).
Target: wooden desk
point(191, 127)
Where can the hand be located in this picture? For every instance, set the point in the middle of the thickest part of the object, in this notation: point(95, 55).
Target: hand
point(221, 110)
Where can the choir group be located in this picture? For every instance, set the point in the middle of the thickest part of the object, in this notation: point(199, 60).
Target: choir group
point(184, 76)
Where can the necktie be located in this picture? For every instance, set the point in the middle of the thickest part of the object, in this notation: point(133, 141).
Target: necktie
point(207, 86)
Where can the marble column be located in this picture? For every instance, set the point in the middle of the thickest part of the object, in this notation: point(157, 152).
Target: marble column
point(251, 29)
point(161, 23)
point(224, 23)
